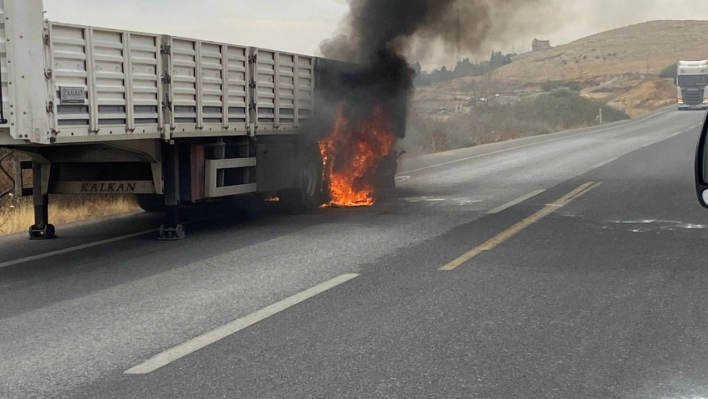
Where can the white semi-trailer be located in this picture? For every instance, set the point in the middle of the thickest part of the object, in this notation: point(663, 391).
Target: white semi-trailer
point(173, 120)
point(692, 85)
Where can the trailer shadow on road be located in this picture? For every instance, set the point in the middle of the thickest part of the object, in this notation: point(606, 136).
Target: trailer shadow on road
point(212, 231)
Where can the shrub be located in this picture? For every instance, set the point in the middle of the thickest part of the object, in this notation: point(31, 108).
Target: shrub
point(669, 72)
point(566, 109)
point(551, 85)
point(558, 110)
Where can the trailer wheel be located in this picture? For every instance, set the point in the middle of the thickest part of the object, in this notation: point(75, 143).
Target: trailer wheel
point(309, 194)
point(151, 203)
point(385, 181)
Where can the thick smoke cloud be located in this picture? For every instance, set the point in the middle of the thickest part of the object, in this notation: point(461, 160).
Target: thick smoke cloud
point(373, 26)
point(379, 33)
point(376, 35)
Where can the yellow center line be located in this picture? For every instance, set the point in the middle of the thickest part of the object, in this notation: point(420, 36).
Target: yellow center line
point(517, 228)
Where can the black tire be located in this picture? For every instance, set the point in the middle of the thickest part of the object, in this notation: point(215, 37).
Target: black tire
point(308, 195)
point(48, 233)
point(51, 231)
point(151, 203)
point(386, 175)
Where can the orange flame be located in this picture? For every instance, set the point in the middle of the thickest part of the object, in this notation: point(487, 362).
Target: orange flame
point(351, 154)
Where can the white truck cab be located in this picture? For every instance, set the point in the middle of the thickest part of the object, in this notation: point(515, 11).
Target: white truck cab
point(692, 85)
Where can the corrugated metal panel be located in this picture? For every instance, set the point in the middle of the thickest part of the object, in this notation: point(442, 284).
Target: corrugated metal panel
point(238, 78)
point(107, 84)
point(145, 83)
point(109, 81)
point(70, 69)
point(119, 73)
point(211, 84)
point(208, 88)
point(264, 76)
point(283, 92)
point(183, 89)
point(305, 88)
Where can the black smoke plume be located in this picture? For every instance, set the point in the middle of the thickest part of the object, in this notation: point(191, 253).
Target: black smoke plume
point(378, 33)
point(375, 37)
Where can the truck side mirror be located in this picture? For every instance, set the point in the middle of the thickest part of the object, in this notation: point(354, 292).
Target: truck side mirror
point(701, 166)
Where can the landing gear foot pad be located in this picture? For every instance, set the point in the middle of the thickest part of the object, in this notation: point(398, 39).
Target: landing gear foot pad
point(47, 232)
point(171, 233)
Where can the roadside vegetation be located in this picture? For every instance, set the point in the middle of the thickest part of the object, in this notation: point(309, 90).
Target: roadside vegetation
point(669, 72)
point(646, 96)
point(464, 68)
point(17, 214)
point(560, 109)
point(551, 85)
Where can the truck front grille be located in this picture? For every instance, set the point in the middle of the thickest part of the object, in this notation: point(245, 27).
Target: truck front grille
point(692, 97)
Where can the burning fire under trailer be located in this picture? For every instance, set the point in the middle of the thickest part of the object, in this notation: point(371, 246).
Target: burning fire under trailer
point(184, 121)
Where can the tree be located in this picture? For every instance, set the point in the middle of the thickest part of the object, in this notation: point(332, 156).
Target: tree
point(669, 72)
point(498, 59)
point(462, 69)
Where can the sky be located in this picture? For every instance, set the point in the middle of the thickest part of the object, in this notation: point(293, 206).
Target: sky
point(300, 25)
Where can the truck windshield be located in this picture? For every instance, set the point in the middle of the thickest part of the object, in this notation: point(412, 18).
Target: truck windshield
point(693, 80)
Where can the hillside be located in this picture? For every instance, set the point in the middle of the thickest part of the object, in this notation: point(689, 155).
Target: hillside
point(617, 71)
point(643, 48)
point(620, 67)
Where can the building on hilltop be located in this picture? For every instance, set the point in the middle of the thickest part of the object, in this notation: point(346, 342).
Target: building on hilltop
point(539, 45)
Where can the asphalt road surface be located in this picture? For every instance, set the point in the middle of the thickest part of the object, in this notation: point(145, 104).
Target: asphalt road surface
point(570, 265)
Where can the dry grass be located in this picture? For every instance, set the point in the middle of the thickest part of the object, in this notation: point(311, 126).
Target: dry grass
point(645, 97)
point(18, 214)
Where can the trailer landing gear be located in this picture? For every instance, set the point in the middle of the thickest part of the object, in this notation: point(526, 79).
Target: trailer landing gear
point(171, 233)
point(46, 232)
point(41, 229)
point(172, 230)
